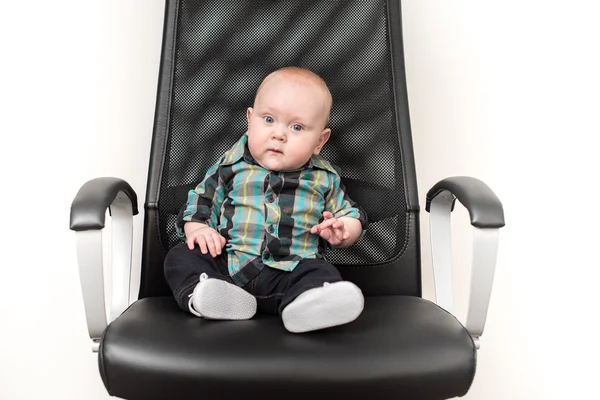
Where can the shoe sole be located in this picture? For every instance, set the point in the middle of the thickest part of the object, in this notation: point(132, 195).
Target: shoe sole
point(332, 305)
point(217, 299)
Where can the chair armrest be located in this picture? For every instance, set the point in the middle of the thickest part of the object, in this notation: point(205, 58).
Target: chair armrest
point(482, 203)
point(93, 198)
point(487, 216)
point(88, 211)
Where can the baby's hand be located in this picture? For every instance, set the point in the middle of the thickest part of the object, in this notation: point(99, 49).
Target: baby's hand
point(209, 240)
point(331, 229)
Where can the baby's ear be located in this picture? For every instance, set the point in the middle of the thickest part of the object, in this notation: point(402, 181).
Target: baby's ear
point(248, 113)
point(322, 140)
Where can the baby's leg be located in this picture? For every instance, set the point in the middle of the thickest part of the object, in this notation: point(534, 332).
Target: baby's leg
point(318, 298)
point(201, 285)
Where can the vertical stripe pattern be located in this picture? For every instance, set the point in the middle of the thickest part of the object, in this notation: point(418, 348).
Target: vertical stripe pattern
point(266, 216)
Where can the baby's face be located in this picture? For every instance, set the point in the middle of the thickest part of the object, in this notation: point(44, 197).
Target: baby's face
point(286, 126)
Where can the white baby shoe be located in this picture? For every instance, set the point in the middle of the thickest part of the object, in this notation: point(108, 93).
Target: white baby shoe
point(216, 299)
point(330, 305)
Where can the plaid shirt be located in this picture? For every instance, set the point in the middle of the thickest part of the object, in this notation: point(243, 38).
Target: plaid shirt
point(266, 216)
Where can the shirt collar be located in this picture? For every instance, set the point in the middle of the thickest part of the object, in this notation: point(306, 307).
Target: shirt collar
point(316, 161)
point(237, 151)
point(240, 150)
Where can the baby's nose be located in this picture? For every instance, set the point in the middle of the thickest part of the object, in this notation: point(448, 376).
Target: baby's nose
point(278, 135)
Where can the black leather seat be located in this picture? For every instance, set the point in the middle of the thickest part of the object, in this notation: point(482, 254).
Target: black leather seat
point(400, 344)
point(214, 55)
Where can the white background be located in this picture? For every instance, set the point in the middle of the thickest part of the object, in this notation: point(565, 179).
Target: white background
point(504, 91)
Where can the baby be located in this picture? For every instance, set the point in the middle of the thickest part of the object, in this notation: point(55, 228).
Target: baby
point(255, 228)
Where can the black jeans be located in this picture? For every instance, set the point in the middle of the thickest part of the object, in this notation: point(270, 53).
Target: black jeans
point(274, 289)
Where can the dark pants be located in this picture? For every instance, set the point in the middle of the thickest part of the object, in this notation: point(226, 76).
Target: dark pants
point(274, 289)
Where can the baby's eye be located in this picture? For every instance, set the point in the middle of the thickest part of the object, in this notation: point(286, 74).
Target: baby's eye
point(269, 120)
point(297, 127)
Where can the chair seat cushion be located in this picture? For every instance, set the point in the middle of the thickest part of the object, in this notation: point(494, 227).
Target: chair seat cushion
point(400, 347)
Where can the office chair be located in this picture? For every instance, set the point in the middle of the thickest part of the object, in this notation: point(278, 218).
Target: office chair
point(215, 53)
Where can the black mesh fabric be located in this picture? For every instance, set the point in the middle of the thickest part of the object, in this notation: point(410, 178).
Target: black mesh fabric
point(223, 51)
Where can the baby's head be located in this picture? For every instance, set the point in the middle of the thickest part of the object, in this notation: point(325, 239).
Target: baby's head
point(288, 122)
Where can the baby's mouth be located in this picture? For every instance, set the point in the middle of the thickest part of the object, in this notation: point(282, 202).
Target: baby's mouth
point(274, 151)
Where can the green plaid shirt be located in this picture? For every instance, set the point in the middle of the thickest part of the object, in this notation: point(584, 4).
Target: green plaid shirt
point(266, 216)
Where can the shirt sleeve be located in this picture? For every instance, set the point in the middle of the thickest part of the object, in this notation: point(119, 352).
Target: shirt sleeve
point(204, 202)
point(340, 205)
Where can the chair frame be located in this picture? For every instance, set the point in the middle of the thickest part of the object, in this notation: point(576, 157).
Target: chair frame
point(88, 221)
point(88, 212)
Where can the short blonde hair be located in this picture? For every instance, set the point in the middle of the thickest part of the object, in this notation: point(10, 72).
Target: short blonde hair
point(302, 75)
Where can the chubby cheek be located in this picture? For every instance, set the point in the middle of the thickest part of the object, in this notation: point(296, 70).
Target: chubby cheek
point(250, 142)
point(304, 146)
point(253, 143)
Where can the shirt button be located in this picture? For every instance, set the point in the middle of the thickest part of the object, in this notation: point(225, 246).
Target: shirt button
point(270, 198)
point(266, 254)
point(270, 229)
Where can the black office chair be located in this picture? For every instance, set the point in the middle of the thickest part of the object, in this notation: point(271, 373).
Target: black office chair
point(214, 55)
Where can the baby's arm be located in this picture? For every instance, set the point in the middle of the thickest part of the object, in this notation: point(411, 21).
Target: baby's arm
point(340, 232)
point(197, 217)
point(344, 221)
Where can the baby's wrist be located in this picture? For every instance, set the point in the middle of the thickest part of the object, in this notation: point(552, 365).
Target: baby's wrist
point(193, 226)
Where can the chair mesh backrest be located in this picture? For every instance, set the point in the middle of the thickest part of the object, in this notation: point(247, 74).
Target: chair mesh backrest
point(223, 50)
